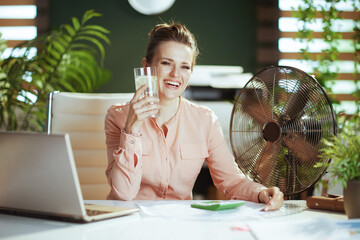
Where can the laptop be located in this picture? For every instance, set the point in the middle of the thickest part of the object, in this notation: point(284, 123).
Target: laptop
point(38, 178)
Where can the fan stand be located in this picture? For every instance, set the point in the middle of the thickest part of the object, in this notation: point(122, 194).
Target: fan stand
point(290, 177)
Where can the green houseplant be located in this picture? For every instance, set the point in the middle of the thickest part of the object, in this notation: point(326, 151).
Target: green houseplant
point(344, 151)
point(325, 66)
point(68, 59)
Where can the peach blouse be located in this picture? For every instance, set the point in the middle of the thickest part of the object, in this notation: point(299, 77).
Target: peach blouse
point(154, 166)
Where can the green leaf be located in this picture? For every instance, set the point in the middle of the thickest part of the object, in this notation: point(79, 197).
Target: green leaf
point(67, 86)
point(62, 40)
point(76, 23)
point(51, 61)
point(96, 34)
point(66, 37)
point(58, 45)
point(96, 28)
point(96, 42)
point(89, 14)
point(55, 55)
point(81, 77)
point(63, 62)
point(75, 78)
point(43, 64)
point(81, 47)
point(90, 67)
point(70, 30)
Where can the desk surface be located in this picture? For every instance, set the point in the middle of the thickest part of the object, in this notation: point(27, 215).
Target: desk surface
point(166, 220)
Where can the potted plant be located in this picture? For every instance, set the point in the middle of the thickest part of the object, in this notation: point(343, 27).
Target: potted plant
point(67, 59)
point(344, 150)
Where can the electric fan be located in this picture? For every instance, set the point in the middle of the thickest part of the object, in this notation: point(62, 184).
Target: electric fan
point(277, 122)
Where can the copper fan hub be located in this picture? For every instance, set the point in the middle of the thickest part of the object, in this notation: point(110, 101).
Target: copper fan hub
point(271, 131)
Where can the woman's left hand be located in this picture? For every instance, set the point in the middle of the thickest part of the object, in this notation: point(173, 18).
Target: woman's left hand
point(273, 198)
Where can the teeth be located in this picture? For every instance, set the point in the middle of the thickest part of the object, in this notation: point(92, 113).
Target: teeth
point(172, 83)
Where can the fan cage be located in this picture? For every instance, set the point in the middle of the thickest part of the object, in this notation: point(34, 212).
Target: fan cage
point(277, 122)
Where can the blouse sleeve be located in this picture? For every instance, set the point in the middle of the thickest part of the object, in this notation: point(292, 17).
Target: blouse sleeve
point(224, 171)
point(124, 151)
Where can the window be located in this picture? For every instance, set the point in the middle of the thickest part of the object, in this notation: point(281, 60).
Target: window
point(20, 20)
point(289, 47)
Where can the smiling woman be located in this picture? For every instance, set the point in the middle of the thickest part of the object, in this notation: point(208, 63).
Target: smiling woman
point(173, 62)
point(160, 158)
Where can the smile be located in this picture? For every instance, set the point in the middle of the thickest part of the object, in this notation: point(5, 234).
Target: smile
point(173, 83)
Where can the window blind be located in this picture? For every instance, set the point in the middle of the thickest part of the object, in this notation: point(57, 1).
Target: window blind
point(289, 48)
point(22, 20)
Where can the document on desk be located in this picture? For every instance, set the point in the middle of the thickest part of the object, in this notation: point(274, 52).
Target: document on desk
point(309, 229)
point(183, 210)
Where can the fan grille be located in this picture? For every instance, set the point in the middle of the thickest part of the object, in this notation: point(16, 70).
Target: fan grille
point(276, 125)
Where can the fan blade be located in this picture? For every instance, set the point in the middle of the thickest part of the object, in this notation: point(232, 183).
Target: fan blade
point(260, 111)
point(303, 149)
point(297, 102)
point(266, 160)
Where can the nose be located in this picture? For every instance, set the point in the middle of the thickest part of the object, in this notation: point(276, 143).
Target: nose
point(175, 71)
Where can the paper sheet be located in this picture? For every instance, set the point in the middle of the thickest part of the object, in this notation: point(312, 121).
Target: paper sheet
point(183, 210)
point(309, 229)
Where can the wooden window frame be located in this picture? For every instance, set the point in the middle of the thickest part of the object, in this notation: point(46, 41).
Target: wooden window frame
point(41, 21)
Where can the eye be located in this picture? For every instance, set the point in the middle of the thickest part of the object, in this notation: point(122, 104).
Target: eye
point(165, 63)
point(186, 67)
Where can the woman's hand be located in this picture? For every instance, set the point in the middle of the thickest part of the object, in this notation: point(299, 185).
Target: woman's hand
point(139, 110)
point(273, 198)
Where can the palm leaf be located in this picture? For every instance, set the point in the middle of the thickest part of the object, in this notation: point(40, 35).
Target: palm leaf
point(66, 60)
point(70, 30)
point(66, 86)
point(79, 78)
point(96, 28)
point(76, 23)
point(94, 33)
point(89, 14)
point(96, 42)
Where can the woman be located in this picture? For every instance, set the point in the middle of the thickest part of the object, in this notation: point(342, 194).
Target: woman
point(160, 158)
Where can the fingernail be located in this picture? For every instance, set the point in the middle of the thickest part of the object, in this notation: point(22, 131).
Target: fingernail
point(266, 208)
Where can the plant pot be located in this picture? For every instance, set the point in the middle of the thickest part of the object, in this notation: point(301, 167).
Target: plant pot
point(352, 199)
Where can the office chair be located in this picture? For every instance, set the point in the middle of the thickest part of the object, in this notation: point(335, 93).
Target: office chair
point(82, 116)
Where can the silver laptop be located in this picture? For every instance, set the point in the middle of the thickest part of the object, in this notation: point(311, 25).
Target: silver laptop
point(38, 178)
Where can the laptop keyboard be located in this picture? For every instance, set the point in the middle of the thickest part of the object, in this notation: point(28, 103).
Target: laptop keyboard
point(91, 212)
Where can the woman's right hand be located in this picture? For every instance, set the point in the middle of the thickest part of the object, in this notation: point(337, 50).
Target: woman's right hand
point(140, 109)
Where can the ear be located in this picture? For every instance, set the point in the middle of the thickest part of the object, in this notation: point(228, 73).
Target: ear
point(144, 63)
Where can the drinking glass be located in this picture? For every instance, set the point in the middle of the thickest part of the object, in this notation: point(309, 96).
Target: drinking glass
point(147, 75)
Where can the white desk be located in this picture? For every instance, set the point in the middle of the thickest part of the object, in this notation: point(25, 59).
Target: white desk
point(161, 222)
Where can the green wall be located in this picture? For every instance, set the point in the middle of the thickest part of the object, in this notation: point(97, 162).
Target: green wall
point(225, 31)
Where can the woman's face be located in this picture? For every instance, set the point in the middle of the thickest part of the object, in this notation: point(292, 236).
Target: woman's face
point(173, 62)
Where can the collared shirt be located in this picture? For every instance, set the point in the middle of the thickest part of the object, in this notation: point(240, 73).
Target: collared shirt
point(158, 166)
